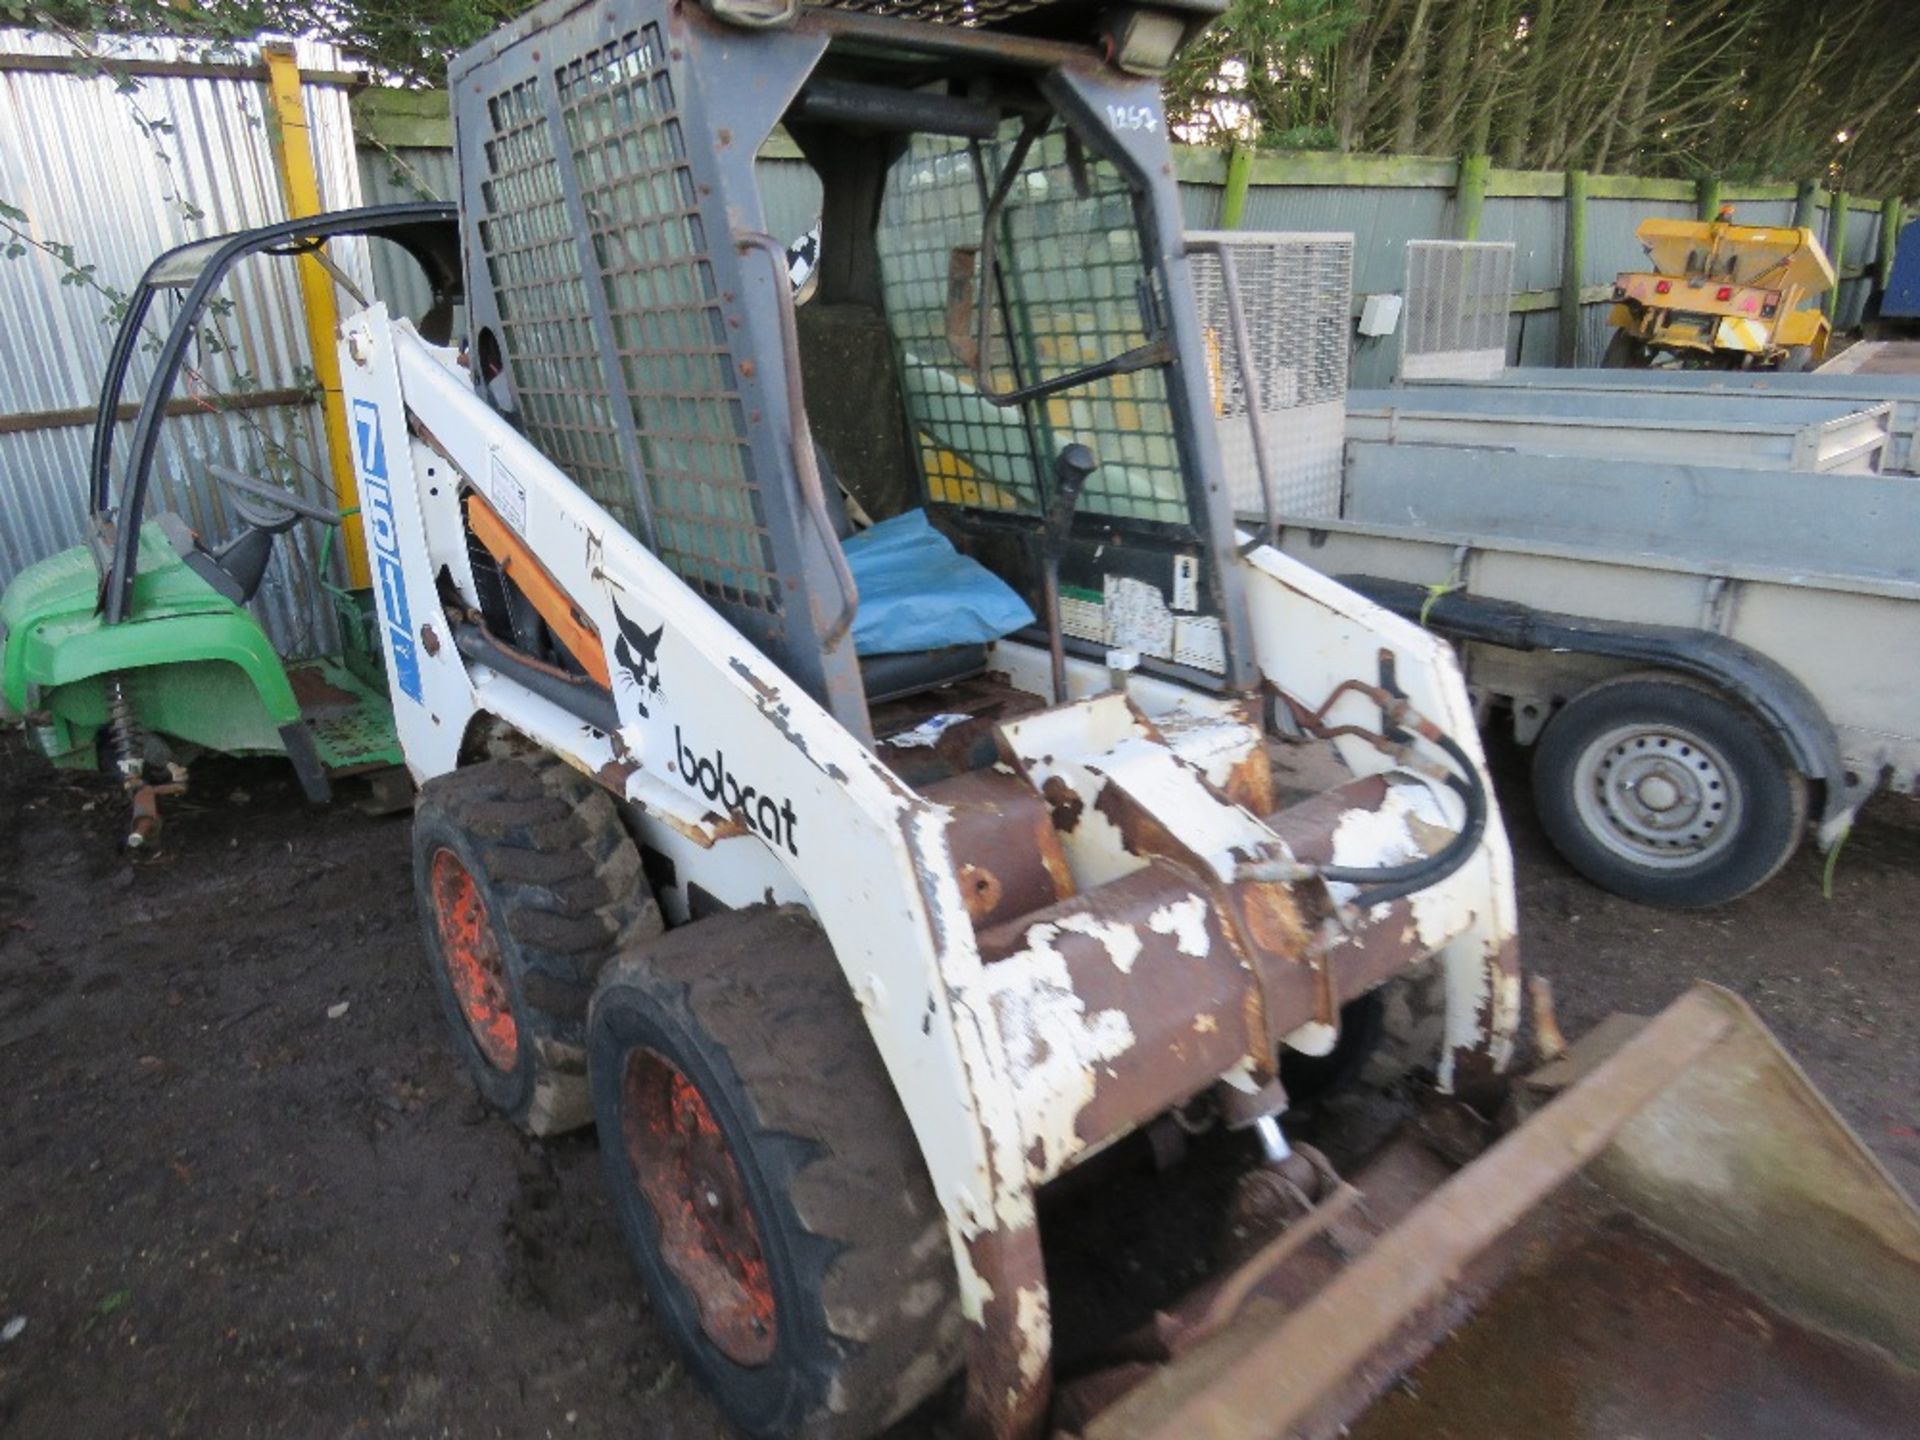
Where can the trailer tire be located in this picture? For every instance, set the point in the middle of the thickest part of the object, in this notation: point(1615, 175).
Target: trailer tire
point(1659, 788)
point(1626, 352)
point(816, 1295)
point(527, 883)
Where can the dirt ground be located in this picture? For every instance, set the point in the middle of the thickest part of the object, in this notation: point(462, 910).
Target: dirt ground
point(248, 1194)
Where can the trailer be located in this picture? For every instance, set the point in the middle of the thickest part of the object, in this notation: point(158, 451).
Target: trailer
point(1770, 432)
point(1902, 392)
point(1692, 592)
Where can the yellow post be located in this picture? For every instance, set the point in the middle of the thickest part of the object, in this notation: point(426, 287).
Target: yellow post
point(294, 153)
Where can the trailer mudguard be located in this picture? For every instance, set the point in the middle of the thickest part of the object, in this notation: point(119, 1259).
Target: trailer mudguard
point(1760, 683)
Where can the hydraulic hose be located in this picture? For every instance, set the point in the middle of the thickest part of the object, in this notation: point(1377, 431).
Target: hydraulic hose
point(1381, 883)
point(1391, 882)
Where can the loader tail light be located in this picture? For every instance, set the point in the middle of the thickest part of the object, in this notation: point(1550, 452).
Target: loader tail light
point(1771, 305)
point(1725, 292)
point(1663, 287)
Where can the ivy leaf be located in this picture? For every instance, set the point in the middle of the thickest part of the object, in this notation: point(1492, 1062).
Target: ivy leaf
point(11, 212)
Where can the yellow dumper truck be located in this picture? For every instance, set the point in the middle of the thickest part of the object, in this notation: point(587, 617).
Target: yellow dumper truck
point(1722, 296)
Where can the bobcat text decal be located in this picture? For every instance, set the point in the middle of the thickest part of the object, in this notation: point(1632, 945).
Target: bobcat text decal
point(768, 817)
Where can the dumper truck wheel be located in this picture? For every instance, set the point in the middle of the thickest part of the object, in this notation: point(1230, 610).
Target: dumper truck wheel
point(770, 1190)
point(1659, 789)
point(1796, 360)
point(527, 883)
point(1625, 352)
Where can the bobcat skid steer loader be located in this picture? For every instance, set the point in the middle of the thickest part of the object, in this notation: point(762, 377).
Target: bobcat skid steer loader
point(861, 883)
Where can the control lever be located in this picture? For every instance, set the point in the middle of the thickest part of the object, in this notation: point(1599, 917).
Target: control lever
point(1070, 474)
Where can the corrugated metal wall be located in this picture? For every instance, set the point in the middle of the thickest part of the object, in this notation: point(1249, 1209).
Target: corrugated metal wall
point(74, 157)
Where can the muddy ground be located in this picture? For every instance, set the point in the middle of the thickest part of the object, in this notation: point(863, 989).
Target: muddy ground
point(246, 1192)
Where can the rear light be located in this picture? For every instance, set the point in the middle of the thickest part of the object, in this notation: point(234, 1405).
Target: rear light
point(1725, 292)
point(1769, 310)
point(1619, 292)
point(1663, 287)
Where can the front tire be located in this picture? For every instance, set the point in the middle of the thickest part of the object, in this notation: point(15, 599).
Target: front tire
point(1657, 788)
point(527, 882)
point(770, 1191)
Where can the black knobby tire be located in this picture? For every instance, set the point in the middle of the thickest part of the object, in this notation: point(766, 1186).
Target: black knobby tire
point(1745, 810)
point(550, 887)
point(1626, 351)
point(841, 1237)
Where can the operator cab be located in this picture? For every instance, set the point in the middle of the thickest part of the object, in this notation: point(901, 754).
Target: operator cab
point(998, 448)
point(986, 306)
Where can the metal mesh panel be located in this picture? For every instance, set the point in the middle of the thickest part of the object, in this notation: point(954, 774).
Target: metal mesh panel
point(968, 13)
point(535, 269)
point(629, 150)
point(1297, 292)
point(1071, 267)
point(1459, 294)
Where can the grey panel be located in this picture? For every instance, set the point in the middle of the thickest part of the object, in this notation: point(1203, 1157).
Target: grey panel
point(1703, 515)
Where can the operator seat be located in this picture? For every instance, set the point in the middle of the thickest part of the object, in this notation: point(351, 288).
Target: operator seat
point(236, 569)
point(861, 441)
point(894, 676)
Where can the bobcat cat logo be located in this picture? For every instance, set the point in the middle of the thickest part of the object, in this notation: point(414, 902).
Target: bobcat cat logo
point(638, 652)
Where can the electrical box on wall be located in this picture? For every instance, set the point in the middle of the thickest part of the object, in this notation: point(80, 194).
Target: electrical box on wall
point(1380, 315)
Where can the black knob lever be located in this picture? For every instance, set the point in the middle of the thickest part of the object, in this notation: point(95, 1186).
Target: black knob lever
point(1071, 471)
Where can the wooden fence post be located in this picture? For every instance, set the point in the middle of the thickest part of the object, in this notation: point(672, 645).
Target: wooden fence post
point(1837, 250)
point(1806, 204)
point(1707, 187)
point(1890, 217)
point(1233, 200)
point(1470, 194)
point(1573, 269)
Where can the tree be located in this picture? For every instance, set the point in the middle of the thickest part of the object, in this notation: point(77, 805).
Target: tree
point(1825, 90)
point(407, 40)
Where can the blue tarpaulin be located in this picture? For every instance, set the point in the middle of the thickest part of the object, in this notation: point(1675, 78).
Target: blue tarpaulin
point(918, 593)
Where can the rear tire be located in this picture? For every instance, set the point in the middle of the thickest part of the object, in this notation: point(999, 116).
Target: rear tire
point(1624, 352)
point(1797, 360)
point(527, 883)
point(771, 1193)
point(1657, 788)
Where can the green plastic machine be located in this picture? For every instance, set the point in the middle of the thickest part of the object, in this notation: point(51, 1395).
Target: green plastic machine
point(136, 651)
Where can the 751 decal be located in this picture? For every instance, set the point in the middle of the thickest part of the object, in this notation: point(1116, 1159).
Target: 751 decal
point(383, 535)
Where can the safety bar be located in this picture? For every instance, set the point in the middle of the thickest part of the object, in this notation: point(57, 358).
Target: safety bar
point(801, 437)
point(1250, 379)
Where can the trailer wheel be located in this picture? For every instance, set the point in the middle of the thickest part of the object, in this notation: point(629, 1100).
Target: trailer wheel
point(527, 882)
point(771, 1193)
point(1659, 789)
point(1626, 352)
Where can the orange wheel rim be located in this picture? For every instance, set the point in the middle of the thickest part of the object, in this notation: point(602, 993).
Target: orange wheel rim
point(472, 956)
point(686, 1171)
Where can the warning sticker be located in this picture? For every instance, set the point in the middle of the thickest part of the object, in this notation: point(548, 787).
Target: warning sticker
point(509, 496)
point(1138, 617)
